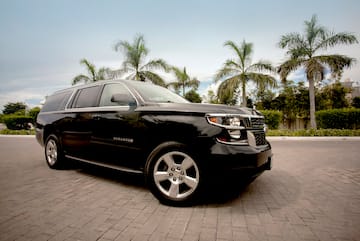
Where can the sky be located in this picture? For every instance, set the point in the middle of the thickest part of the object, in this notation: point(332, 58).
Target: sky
point(42, 41)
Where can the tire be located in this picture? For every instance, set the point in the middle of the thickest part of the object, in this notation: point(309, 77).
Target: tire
point(174, 176)
point(53, 153)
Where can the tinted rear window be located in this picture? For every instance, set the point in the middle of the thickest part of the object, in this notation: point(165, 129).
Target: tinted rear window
point(57, 101)
point(87, 97)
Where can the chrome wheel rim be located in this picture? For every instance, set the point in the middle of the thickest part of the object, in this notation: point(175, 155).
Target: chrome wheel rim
point(51, 152)
point(176, 175)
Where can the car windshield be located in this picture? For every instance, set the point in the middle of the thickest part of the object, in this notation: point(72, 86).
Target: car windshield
point(154, 93)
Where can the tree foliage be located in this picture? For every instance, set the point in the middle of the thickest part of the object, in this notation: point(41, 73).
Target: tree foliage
point(293, 102)
point(236, 73)
point(332, 97)
point(134, 65)
point(302, 50)
point(183, 80)
point(14, 107)
point(93, 74)
point(356, 102)
point(193, 96)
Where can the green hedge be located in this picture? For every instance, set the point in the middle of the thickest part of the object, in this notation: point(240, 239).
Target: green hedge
point(17, 132)
point(338, 119)
point(312, 132)
point(272, 118)
point(17, 122)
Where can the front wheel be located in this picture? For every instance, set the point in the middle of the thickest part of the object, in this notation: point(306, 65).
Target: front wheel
point(53, 153)
point(174, 176)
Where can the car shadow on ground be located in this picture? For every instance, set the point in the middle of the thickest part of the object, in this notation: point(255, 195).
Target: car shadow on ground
point(110, 175)
point(226, 190)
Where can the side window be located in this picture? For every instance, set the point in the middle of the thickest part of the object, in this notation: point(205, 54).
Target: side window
point(57, 101)
point(87, 97)
point(115, 95)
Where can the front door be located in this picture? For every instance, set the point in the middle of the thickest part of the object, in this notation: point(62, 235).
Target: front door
point(115, 128)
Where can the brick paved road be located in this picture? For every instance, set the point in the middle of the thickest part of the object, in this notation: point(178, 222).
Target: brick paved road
point(312, 193)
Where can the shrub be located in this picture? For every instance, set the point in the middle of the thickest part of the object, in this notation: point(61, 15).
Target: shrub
point(272, 118)
point(356, 102)
point(33, 113)
point(17, 122)
point(338, 118)
point(17, 132)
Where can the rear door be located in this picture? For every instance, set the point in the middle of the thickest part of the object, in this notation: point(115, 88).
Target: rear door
point(79, 126)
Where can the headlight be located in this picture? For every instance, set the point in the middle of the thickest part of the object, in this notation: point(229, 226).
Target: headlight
point(234, 128)
point(226, 121)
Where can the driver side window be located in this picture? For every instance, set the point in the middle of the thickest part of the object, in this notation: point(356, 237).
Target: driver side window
point(112, 90)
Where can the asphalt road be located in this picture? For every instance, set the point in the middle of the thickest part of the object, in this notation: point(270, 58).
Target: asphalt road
point(312, 193)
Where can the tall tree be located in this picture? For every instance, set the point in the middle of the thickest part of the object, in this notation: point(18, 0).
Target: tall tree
point(93, 75)
point(12, 108)
point(133, 65)
point(193, 96)
point(183, 80)
point(240, 71)
point(302, 50)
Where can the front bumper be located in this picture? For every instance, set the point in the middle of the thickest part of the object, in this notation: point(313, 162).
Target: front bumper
point(39, 134)
point(247, 159)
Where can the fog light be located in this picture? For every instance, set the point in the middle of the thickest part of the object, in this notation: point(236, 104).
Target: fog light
point(235, 134)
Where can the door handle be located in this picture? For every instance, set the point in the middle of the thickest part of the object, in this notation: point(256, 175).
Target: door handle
point(96, 117)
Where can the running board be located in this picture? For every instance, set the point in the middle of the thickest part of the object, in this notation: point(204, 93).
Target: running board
point(119, 168)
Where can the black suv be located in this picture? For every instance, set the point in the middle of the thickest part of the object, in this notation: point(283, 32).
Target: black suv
point(140, 127)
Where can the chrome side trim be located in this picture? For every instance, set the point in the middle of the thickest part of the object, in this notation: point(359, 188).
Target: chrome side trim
point(119, 168)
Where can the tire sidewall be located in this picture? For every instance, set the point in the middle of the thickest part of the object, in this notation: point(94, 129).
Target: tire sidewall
point(162, 149)
point(59, 163)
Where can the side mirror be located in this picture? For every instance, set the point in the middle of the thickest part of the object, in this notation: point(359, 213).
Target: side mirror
point(123, 99)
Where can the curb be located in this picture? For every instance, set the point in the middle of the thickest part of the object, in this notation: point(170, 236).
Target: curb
point(270, 138)
point(313, 138)
point(15, 136)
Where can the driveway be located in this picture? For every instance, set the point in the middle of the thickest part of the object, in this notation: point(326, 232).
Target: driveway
point(312, 193)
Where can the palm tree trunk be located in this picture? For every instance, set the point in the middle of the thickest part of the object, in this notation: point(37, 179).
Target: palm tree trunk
point(312, 102)
point(243, 89)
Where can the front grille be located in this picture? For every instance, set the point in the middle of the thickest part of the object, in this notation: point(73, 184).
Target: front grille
point(259, 138)
point(257, 123)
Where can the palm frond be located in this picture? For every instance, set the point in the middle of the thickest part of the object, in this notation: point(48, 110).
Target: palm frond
point(90, 68)
point(336, 39)
point(80, 78)
point(227, 88)
point(314, 69)
point(336, 63)
point(153, 77)
point(103, 74)
point(261, 66)
point(193, 83)
point(232, 45)
point(156, 64)
point(225, 72)
point(289, 66)
point(291, 41)
point(263, 80)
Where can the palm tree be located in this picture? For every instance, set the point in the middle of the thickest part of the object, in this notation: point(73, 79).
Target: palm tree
point(183, 80)
point(240, 71)
point(93, 74)
point(302, 51)
point(135, 54)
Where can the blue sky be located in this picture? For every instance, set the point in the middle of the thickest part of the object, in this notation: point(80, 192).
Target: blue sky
point(42, 41)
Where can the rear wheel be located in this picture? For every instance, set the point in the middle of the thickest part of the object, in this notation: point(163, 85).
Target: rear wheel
point(53, 153)
point(174, 176)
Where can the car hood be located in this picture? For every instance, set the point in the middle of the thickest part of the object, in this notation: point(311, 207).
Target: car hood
point(195, 108)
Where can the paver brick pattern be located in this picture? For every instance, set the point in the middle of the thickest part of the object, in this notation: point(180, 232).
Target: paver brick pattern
point(312, 193)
